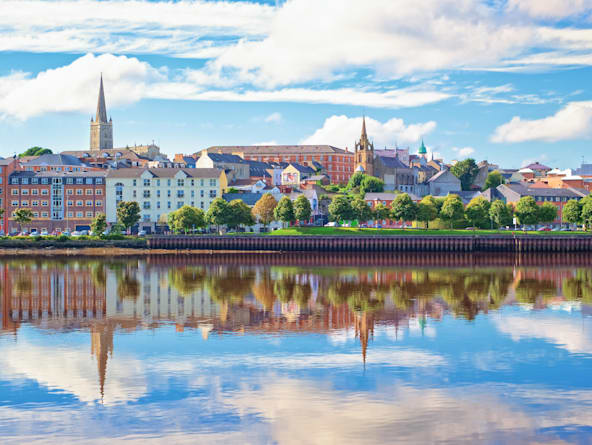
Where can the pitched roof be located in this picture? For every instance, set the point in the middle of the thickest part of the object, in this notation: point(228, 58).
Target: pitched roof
point(522, 190)
point(536, 166)
point(440, 174)
point(302, 168)
point(56, 159)
point(277, 149)
point(164, 172)
point(110, 153)
point(248, 198)
point(227, 158)
point(391, 162)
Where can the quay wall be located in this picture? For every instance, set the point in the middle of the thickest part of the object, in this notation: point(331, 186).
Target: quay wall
point(406, 243)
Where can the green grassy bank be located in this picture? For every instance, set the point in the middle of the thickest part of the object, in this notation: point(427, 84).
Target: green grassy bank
point(353, 231)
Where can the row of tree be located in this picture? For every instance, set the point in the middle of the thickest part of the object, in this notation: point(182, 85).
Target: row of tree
point(478, 213)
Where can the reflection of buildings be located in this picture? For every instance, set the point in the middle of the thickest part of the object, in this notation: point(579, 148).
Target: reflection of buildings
point(104, 297)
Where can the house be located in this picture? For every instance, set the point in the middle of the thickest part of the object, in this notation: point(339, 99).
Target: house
point(312, 197)
point(538, 169)
point(7, 166)
point(395, 174)
point(307, 183)
point(557, 196)
point(294, 174)
point(234, 166)
point(159, 191)
point(444, 183)
point(109, 158)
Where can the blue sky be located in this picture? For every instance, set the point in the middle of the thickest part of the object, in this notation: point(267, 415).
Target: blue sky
point(502, 80)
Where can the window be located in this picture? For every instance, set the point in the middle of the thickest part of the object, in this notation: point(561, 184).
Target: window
point(14, 181)
point(201, 193)
point(79, 214)
point(158, 193)
point(146, 218)
point(168, 193)
point(25, 181)
point(98, 180)
point(158, 204)
point(70, 214)
point(34, 191)
point(169, 182)
point(70, 203)
point(213, 193)
point(180, 193)
point(44, 180)
point(168, 204)
point(193, 193)
point(79, 180)
point(89, 214)
point(89, 203)
point(158, 182)
point(180, 183)
point(98, 192)
point(180, 204)
point(146, 205)
point(44, 203)
point(25, 203)
point(201, 182)
point(44, 192)
point(99, 203)
point(15, 203)
point(212, 182)
point(79, 203)
point(79, 191)
point(193, 183)
point(146, 193)
point(146, 182)
point(35, 214)
point(134, 183)
point(35, 203)
point(89, 191)
point(44, 214)
point(201, 205)
point(134, 193)
point(24, 191)
point(88, 181)
point(69, 192)
point(15, 192)
point(69, 180)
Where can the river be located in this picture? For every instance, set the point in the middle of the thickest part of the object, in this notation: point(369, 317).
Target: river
point(289, 349)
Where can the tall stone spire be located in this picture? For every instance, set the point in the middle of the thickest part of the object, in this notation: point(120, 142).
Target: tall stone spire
point(101, 129)
point(364, 135)
point(101, 108)
point(364, 152)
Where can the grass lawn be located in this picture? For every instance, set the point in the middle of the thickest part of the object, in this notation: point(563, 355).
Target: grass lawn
point(349, 231)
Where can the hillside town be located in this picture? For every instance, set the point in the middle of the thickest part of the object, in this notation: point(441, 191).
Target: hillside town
point(42, 192)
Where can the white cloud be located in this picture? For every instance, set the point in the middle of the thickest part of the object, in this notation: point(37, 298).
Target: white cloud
point(343, 131)
point(74, 87)
point(265, 143)
point(273, 118)
point(463, 152)
point(550, 8)
point(571, 122)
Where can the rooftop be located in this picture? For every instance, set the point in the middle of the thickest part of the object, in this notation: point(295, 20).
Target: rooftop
point(164, 172)
point(276, 149)
point(56, 159)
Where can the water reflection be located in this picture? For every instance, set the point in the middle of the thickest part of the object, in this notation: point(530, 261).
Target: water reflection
point(285, 349)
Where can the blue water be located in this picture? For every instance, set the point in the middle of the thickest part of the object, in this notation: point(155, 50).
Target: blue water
point(193, 360)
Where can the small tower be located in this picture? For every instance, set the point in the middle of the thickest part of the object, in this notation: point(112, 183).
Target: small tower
point(423, 152)
point(101, 129)
point(364, 153)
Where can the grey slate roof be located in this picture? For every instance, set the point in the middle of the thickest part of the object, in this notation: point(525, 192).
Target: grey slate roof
point(248, 198)
point(227, 158)
point(391, 162)
point(56, 159)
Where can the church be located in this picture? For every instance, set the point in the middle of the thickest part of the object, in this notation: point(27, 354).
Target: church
point(386, 165)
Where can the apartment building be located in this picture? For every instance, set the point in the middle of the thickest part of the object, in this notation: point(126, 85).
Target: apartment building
point(159, 191)
point(59, 201)
point(7, 166)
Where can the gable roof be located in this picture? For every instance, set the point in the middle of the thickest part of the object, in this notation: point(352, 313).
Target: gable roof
point(302, 168)
point(391, 162)
point(56, 159)
point(536, 166)
point(227, 158)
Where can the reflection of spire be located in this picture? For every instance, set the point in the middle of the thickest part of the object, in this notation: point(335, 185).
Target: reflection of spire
point(101, 348)
point(364, 328)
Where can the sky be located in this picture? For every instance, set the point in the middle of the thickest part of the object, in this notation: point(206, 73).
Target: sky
point(500, 80)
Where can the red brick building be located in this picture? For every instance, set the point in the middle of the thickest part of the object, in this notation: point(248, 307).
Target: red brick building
point(338, 163)
point(7, 166)
point(59, 200)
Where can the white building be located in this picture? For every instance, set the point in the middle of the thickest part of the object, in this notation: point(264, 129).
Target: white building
point(160, 191)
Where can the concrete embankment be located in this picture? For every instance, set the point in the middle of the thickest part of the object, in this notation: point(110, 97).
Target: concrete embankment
point(408, 243)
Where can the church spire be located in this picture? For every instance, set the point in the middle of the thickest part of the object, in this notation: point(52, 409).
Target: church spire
point(101, 108)
point(364, 135)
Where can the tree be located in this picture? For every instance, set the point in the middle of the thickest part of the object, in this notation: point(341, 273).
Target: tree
point(340, 209)
point(172, 222)
point(284, 211)
point(370, 184)
point(22, 216)
point(466, 171)
point(477, 212)
point(355, 180)
point(527, 210)
point(128, 214)
point(500, 213)
point(427, 210)
point(403, 208)
point(302, 208)
point(547, 213)
point(362, 211)
point(240, 214)
point(35, 151)
point(218, 214)
point(99, 224)
point(587, 212)
point(572, 212)
point(452, 209)
point(494, 179)
point(381, 211)
point(187, 218)
point(263, 209)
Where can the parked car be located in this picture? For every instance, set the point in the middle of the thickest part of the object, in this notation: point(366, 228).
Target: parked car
point(34, 233)
point(1, 232)
point(66, 233)
point(332, 224)
point(44, 233)
point(142, 233)
point(24, 233)
point(544, 229)
point(76, 233)
point(83, 232)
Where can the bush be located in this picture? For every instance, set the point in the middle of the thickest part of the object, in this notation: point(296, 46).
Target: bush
point(62, 238)
point(114, 237)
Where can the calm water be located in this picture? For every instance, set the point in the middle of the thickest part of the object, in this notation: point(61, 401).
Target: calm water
point(295, 350)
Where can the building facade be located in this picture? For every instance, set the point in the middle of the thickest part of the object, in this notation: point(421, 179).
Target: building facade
point(159, 191)
point(364, 153)
point(59, 201)
point(7, 166)
point(338, 163)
